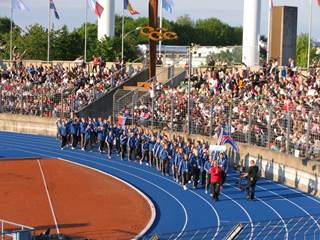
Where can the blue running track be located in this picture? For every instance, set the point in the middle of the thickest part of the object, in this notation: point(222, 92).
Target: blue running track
point(279, 212)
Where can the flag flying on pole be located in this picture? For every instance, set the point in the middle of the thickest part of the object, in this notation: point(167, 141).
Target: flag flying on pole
point(225, 138)
point(53, 7)
point(19, 5)
point(270, 4)
point(128, 6)
point(96, 7)
point(122, 120)
point(167, 5)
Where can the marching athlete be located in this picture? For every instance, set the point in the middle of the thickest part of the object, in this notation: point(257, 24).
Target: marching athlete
point(216, 178)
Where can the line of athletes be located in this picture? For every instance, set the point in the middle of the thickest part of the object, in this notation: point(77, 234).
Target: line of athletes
point(187, 161)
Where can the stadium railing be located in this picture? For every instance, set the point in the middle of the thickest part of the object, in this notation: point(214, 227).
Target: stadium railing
point(296, 228)
point(11, 230)
point(279, 127)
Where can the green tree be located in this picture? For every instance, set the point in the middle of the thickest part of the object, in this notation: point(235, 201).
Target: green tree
point(5, 25)
point(35, 42)
point(185, 20)
point(92, 41)
point(302, 50)
point(65, 45)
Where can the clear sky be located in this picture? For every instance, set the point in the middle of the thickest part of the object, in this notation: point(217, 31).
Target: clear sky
point(230, 11)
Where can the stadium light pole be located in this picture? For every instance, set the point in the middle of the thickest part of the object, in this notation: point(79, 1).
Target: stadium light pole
point(193, 48)
point(85, 31)
point(124, 37)
point(11, 25)
point(189, 79)
point(310, 29)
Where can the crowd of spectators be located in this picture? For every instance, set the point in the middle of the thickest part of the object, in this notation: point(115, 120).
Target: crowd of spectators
point(262, 106)
point(52, 90)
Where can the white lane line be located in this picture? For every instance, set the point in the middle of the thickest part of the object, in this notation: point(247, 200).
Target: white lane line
point(245, 211)
point(142, 170)
point(49, 198)
point(269, 206)
point(265, 226)
point(293, 203)
point(313, 198)
point(182, 206)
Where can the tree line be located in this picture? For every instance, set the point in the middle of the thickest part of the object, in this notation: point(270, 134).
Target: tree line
point(69, 44)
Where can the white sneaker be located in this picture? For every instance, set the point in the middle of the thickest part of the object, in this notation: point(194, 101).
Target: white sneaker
point(140, 162)
point(185, 187)
point(62, 148)
point(73, 148)
point(147, 164)
point(206, 192)
point(189, 181)
point(82, 149)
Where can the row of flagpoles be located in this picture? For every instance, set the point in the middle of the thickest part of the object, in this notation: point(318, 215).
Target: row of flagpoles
point(98, 9)
point(94, 5)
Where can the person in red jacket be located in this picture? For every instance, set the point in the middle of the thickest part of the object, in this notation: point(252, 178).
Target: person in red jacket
point(216, 179)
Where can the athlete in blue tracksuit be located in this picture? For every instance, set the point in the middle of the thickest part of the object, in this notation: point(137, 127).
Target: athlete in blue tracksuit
point(184, 168)
point(164, 159)
point(109, 141)
point(206, 168)
point(88, 138)
point(145, 151)
point(123, 144)
point(116, 133)
point(74, 131)
point(68, 129)
point(102, 134)
point(82, 126)
point(154, 151)
point(223, 162)
point(152, 142)
point(138, 152)
point(196, 166)
point(178, 157)
point(157, 154)
point(131, 145)
point(204, 158)
point(63, 133)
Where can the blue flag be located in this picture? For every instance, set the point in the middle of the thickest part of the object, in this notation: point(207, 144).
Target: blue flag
point(167, 5)
point(53, 7)
point(225, 138)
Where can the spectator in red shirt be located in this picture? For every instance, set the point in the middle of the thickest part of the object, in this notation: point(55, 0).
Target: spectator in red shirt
point(216, 178)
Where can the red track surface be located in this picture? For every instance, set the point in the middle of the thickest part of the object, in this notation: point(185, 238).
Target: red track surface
point(86, 203)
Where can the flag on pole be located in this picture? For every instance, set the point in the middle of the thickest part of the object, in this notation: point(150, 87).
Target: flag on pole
point(319, 3)
point(270, 4)
point(167, 5)
point(225, 138)
point(128, 6)
point(122, 120)
point(19, 5)
point(96, 7)
point(53, 7)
